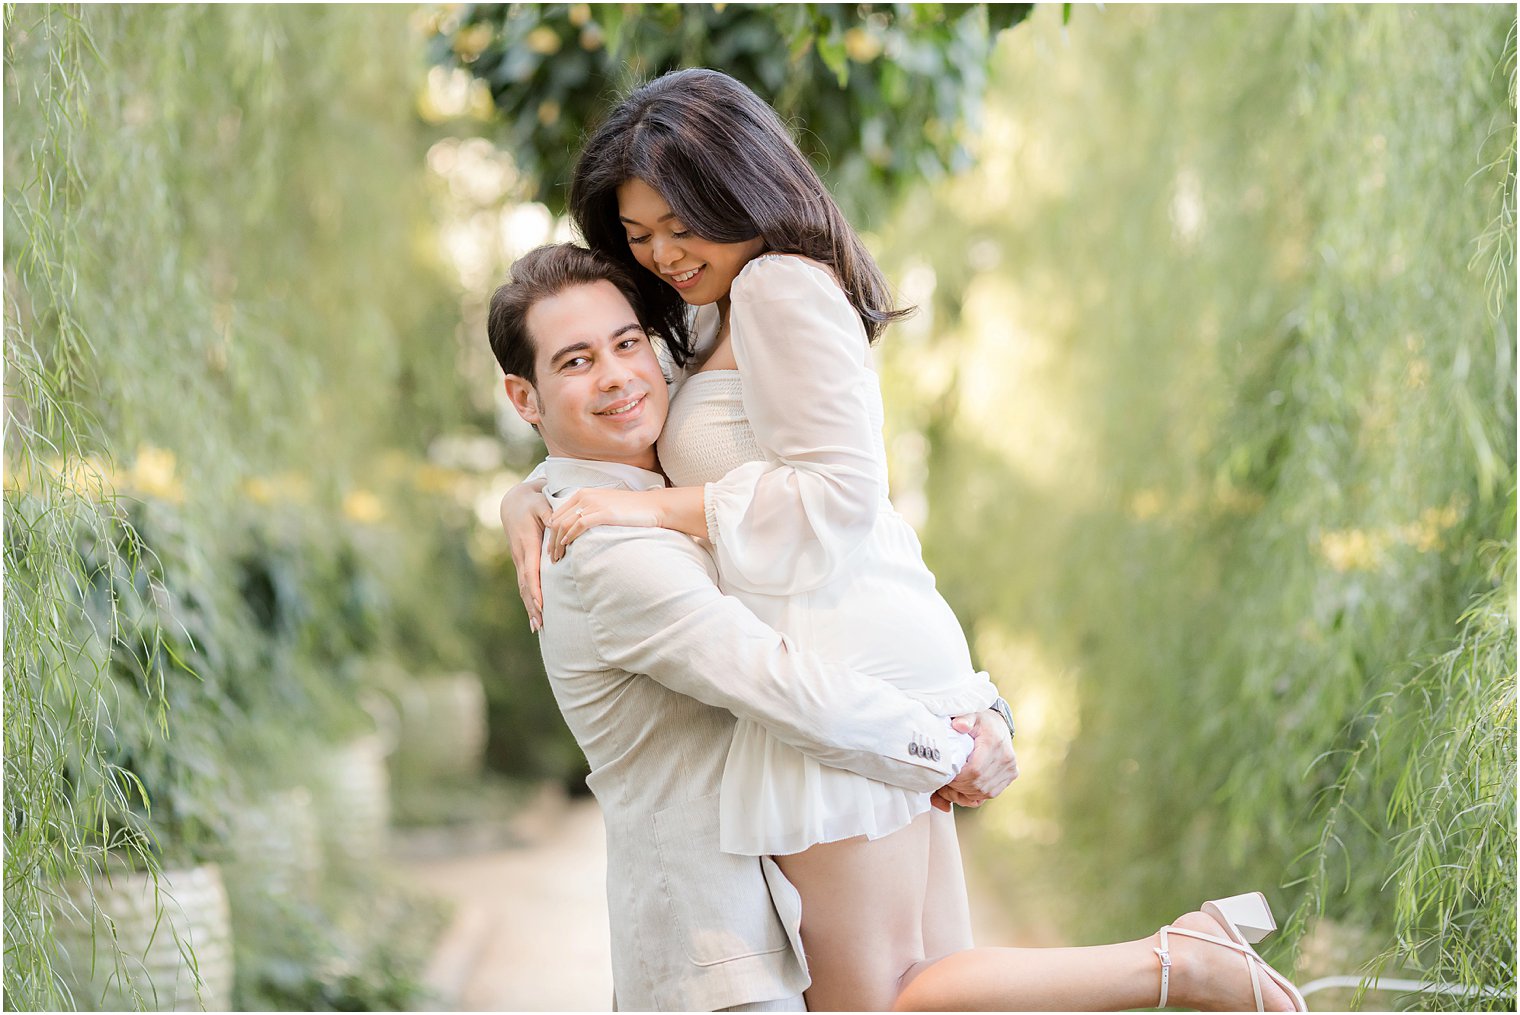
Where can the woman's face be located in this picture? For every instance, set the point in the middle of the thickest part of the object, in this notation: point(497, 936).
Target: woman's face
point(700, 270)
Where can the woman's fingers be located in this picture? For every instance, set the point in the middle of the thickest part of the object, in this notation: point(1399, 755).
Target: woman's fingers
point(525, 559)
point(524, 510)
point(565, 526)
point(532, 594)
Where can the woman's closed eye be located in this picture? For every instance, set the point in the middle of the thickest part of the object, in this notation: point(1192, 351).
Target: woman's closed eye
point(675, 234)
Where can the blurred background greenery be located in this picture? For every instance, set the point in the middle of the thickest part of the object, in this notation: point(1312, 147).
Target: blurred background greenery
point(1207, 420)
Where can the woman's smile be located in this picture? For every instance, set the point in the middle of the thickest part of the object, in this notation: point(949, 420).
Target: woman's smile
point(685, 279)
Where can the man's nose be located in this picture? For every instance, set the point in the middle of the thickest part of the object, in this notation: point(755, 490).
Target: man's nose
point(613, 373)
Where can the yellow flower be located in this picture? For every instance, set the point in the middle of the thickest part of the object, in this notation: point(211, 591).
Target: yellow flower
point(89, 476)
point(579, 14)
point(1352, 549)
point(431, 478)
point(153, 474)
point(259, 490)
point(544, 41)
point(1145, 504)
point(364, 507)
point(861, 45)
point(470, 43)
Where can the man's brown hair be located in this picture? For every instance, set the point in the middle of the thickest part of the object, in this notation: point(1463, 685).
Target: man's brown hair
point(537, 275)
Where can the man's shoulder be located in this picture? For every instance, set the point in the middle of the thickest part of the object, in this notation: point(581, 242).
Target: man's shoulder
point(616, 551)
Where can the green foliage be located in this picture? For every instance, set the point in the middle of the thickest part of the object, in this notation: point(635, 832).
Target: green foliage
point(61, 788)
point(1434, 774)
point(885, 94)
point(221, 315)
point(306, 954)
point(1217, 394)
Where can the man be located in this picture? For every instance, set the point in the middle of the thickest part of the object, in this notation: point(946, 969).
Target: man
point(645, 654)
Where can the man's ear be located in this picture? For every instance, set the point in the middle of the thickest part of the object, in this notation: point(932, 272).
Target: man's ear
point(524, 398)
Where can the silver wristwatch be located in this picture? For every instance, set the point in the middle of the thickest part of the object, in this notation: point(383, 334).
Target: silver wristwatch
point(1001, 708)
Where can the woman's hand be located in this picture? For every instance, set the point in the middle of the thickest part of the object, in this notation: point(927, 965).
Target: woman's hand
point(679, 508)
point(589, 507)
point(524, 513)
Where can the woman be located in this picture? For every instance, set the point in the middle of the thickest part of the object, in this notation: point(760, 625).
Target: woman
point(774, 446)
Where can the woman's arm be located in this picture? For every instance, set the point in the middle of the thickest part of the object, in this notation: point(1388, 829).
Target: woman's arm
point(788, 524)
point(679, 508)
point(524, 512)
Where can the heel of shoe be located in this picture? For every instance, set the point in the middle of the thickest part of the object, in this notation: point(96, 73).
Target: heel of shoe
point(1249, 914)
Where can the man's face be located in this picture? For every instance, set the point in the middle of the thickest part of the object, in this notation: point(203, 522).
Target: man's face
point(600, 394)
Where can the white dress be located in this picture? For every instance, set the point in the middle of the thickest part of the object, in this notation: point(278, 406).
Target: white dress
point(789, 449)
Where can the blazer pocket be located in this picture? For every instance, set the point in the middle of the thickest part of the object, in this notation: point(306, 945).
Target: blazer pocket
point(720, 903)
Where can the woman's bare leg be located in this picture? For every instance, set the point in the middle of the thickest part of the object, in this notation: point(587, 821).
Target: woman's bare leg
point(1097, 978)
point(1101, 978)
point(990, 979)
point(869, 908)
point(862, 915)
point(947, 913)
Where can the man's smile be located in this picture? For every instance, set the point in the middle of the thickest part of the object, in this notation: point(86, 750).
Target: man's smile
point(623, 407)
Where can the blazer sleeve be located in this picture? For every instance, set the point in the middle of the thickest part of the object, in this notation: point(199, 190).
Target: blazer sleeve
point(654, 609)
point(785, 524)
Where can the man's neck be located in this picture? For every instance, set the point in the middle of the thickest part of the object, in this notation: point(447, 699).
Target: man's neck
point(651, 464)
point(646, 461)
point(566, 473)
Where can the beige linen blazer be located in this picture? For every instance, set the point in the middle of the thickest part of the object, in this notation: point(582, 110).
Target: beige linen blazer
point(650, 663)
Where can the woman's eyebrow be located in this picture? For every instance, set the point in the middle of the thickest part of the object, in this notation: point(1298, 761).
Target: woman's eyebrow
point(636, 222)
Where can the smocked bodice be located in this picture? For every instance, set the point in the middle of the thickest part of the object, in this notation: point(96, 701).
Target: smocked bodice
point(707, 434)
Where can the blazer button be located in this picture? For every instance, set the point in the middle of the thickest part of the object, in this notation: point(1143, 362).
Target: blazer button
point(936, 754)
point(913, 749)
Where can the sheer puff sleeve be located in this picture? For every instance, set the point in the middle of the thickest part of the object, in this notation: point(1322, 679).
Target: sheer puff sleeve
point(786, 524)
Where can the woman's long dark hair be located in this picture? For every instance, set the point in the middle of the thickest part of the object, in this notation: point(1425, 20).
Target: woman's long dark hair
point(725, 163)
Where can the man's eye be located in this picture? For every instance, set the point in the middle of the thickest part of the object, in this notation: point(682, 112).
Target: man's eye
point(629, 343)
point(574, 363)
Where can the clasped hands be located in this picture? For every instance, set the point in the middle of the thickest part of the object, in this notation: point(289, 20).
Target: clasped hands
point(989, 770)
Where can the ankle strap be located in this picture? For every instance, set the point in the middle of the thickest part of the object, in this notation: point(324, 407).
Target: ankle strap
point(1164, 953)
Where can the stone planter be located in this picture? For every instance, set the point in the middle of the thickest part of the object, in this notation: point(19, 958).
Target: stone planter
point(277, 845)
point(352, 791)
point(169, 935)
point(443, 728)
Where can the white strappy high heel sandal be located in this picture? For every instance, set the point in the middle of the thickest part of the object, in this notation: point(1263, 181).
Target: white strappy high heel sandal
point(1246, 919)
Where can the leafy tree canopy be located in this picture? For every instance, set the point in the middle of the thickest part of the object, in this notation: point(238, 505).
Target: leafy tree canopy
point(885, 94)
